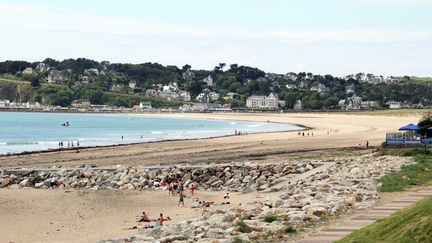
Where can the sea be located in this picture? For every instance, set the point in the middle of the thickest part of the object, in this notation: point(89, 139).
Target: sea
point(28, 132)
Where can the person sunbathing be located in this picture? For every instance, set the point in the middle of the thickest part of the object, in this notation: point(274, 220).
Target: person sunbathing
point(144, 218)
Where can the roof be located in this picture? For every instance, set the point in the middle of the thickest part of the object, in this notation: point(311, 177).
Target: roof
point(409, 127)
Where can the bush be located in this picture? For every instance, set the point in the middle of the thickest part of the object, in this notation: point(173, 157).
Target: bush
point(289, 230)
point(243, 227)
point(270, 218)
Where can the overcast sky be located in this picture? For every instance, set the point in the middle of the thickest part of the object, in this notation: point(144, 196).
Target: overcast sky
point(389, 37)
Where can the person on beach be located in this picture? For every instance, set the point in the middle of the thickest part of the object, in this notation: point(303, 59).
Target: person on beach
point(77, 143)
point(175, 188)
point(53, 182)
point(170, 188)
point(181, 200)
point(181, 186)
point(144, 218)
point(226, 196)
point(192, 189)
point(367, 144)
point(160, 221)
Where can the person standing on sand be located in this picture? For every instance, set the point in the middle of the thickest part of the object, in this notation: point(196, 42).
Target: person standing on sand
point(181, 200)
point(367, 144)
point(192, 189)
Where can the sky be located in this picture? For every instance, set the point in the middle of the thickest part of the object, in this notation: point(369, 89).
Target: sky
point(338, 37)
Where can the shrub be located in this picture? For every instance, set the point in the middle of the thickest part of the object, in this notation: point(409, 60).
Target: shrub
point(243, 227)
point(270, 218)
point(289, 230)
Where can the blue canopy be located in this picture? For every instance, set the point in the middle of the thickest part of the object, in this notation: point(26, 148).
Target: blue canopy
point(410, 127)
point(429, 129)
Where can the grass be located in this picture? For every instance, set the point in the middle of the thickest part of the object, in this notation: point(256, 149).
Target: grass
point(411, 224)
point(270, 218)
point(411, 175)
point(288, 230)
point(243, 227)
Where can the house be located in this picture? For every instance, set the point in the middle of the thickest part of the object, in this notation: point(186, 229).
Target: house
point(353, 103)
point(117, 87)
point(291, 76)
point(298, 105)
point(263, 102)
point(188, 74)
point(208, 80)
point(92, 71)
point(41, 67)
point(231, 95)
point(132, 84)
point(55, 77)
point(291, 86)
point(320, 88)
point(4, 103)
point(85, 79)
point(366, 105)
point(28, 70)
point(151, 93)
point(145, 105)
point(81, 103)
point(394, 105)
point(304, 83)
point(350, 89)
point(184, 96)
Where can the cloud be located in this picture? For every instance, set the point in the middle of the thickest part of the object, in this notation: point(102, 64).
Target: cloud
point(34, 32)
point(48, 21)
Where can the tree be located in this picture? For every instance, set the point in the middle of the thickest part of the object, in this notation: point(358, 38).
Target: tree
point(290, 99)
point(35, 82)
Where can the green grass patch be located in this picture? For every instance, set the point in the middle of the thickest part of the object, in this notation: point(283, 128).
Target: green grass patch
point(289, 230)
point(243, 227)
point(411, 224)
point(411, 175)
point(270, 218)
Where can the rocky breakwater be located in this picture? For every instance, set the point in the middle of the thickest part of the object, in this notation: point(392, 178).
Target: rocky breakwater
point(233, 176)
point(350, 183)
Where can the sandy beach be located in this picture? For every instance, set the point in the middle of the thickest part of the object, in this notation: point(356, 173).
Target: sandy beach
point(32, 215)
point(352, 131)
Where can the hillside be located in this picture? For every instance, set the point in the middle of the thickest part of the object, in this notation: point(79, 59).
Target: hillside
point(126, 84)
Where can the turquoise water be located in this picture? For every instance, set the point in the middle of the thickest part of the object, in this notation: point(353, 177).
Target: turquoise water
point(23, 131)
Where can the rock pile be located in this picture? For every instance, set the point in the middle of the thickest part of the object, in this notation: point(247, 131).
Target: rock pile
point(234, 176)
point(349, 183)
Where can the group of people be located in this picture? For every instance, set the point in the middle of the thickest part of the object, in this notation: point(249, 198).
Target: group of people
point(69, 144)
point(305, 134)
point(144, 218)
point(238, 133)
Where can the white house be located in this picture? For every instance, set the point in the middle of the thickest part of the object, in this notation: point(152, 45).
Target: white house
point(208, 80)
point(55, 77)
point(4, 103)
point(28, 70)
point(145, 105)
point(320, 88)
point(132, 84)
point(298, 105)
point(263, 102)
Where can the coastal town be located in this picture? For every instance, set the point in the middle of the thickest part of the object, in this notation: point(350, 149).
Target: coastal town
point(190, 93)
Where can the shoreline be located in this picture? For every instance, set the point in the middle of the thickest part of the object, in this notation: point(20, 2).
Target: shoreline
point(331, 131)
point(157, 115)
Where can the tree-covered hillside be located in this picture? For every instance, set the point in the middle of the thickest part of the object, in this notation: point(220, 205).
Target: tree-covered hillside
point(60, 82)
